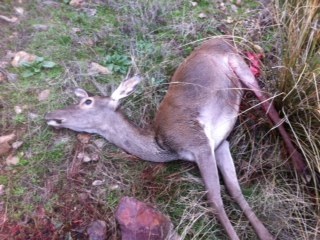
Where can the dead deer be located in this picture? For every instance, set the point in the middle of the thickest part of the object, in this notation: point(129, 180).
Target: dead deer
point(193, 121)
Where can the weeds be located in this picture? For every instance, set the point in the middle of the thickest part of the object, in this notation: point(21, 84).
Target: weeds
point(300, 77)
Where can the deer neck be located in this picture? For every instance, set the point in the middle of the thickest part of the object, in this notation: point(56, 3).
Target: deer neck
point(136, 141)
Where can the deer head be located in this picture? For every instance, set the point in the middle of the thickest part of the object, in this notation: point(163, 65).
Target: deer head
point(91, 112)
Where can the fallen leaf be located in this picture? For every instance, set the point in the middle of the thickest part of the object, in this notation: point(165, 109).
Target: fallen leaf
point(97, 230)
point(258, 48)
point(33, 116)
point(9, 19)
point(202, 15)
point(94, 157)
point(4, 143)
point(48, 64)
point(40, 27)
point(19, 10)
point(77, 3)
point(84, 157)
point(90, 11)
point(97, 182)
point(84, 138)
point(17, 109)
point(96, 68)
point(234, 8)
point(17, 144)
point(12, 77)
point(229, 20)
point(3, 77)
point(22, 57)
point(239, 2)
point(4, 64)
point(114, 187)
point(194, 4)
point(76, 30)
point(1, 190)
point(44, 95)
point(12, 160)
point(7, 138)
point(100, 143)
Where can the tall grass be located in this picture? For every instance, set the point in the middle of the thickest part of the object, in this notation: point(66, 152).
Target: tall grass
point(299, 76)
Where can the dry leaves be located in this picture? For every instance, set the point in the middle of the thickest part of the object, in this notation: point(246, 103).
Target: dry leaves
point(4, 143)
point(44, 95)
point(9, 19)
point(3, 77)
point(84, 138)
point(96, 68)
point(12, 160)
point(97, 182)
point(1, 190)
point(22, 57)
point(202, 15)
point(6, 146)
point(77, 3)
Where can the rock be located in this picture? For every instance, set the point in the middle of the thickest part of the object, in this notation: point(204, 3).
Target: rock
point(139, 221)
point(22, 57)
point(97, 230)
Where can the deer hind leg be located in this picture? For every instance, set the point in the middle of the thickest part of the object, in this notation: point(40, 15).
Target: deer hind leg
point(227, 169)
point(208, 167)
point(243, 72)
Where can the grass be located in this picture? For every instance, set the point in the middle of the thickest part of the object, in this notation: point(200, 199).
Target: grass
point(153, 38)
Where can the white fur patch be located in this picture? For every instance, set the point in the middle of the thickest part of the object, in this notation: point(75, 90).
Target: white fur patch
point(217, 126)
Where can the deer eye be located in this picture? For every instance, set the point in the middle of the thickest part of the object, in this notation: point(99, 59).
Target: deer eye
point(88, 102)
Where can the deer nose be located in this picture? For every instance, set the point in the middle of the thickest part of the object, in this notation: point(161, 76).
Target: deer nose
point(53, 120)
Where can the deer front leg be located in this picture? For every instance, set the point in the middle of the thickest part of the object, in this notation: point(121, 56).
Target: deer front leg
point(227, 169)
point(208, 168)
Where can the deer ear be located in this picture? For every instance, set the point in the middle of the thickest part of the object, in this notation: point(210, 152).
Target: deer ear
point(125, 88)
point(80, 93)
